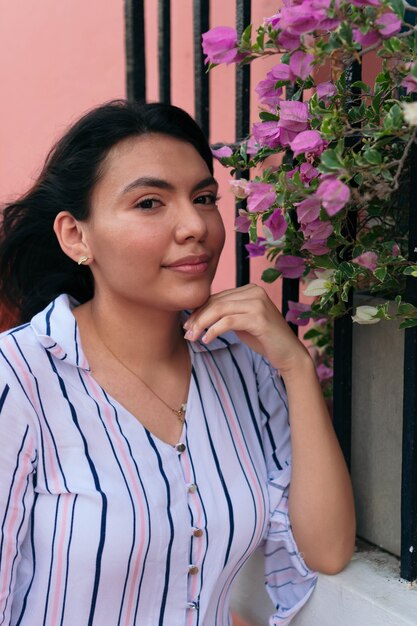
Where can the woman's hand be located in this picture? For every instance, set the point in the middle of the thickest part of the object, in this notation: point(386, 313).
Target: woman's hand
point(256, 320)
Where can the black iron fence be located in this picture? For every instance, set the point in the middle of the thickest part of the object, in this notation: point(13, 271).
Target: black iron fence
point(136, 90)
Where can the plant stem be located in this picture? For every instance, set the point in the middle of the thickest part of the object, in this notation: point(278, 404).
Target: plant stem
point(403, 159)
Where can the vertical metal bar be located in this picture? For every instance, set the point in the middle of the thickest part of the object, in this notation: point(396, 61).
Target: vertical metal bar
point(164, 50)
point(290, 291)
point(135, 50)
point(409, 456)
point(242, 124)
point(342, 378)
point(201, 18)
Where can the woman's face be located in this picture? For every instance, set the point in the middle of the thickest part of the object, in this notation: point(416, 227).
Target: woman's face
point(155, 233)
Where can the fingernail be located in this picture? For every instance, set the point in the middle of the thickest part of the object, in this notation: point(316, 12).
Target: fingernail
point(204, 338)
point(186, 325)
point(188, 334)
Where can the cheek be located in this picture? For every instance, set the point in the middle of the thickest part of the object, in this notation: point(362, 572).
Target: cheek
point(218, 233)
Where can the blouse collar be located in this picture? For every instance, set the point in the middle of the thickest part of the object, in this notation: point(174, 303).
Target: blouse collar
point(56, 330)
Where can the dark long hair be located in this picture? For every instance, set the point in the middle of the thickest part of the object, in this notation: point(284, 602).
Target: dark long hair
point(33, 268)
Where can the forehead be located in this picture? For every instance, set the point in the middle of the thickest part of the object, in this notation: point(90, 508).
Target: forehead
point(153, 155)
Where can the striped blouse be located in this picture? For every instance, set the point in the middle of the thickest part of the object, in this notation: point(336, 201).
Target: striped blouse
point(104, 524)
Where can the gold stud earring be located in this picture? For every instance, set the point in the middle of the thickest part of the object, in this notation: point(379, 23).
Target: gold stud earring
point(83, 259)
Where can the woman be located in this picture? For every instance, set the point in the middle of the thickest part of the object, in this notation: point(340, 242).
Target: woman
point(145, 437)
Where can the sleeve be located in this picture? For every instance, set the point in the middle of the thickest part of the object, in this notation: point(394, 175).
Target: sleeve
point(17, 467)
point(289, 581)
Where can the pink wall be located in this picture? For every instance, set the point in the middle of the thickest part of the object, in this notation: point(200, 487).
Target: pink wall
point(57, 59)
point(65, 57)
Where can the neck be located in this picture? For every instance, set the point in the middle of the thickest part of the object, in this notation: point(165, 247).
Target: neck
point(139, 335)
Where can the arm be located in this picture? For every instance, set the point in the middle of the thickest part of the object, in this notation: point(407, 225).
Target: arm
point(320, 499)
point(17, 458)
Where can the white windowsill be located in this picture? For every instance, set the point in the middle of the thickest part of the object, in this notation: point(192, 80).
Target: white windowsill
point(368, 592)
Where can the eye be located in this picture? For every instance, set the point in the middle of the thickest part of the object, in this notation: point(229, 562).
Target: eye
point(207, 198)
point(147, 204)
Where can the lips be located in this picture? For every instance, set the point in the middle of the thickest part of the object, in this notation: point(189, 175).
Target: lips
point(190, 260)
point(191, 264)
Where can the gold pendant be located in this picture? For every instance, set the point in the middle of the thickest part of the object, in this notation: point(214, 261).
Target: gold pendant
point(181, 412)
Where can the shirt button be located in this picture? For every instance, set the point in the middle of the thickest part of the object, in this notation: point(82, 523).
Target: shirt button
point(180, 447)
point(192, 488)
point(192, 605)
point(197, 532)
point(193, 569)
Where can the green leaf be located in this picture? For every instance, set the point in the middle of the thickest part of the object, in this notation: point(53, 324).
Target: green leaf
point(411, 270)
point(266, 116)
point(247, 35)
point(253, 232)
point(398, 7)
point(359, 84)
point(394, 118)
point(408, 323)
point(373, 156)
point(348, 269)
point(331, 160)
point(380, 273)
point(270, 275)
point(345, 32)
point(260, 39)
point(312, 333)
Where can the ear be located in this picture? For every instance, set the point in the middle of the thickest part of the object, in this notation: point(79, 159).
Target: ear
point(71, 236)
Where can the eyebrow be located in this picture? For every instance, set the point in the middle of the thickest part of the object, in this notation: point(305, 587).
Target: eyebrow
point(159, 183)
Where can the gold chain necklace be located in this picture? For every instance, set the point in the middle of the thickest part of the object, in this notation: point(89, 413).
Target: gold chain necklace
point(180, 413)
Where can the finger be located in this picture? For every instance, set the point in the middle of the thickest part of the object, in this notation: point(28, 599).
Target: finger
point(214, 313)
point(239, 293)
point(235, 322)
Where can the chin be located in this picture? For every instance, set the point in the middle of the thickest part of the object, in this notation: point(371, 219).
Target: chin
point(195, 300)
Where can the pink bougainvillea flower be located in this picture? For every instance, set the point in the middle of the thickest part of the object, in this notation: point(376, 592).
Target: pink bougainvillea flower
point(256, 249)
point(281, 71)
point(273, 21)
point(239, 187)
point(290, 266)
point(288, 40)
point(324, 372)
point(307, 141)
point(223, 152)
point(300, 19)
point(267, 92)
point(334, 195)
point(301, 64)
point(366, 39)
point(294, 311)
point(308, 210)
point(252, 146)
point(316, 247)
point(261, 197)
point(276, 224)
point(317, 229)
point(267, 134)
point(325, 90)
point(286, 136)
point(395, 250)
point(308, 172)
point(293, 116)
point(367, 259)
point(242, 222)
point(220, 45)
point(291, 173)
point(365, 3)
point(389, 23)
point(410, 83)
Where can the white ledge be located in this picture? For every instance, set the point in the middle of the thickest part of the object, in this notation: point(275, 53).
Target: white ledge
point(368, 592)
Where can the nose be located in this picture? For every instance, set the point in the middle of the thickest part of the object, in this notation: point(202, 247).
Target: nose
point(191, 222)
